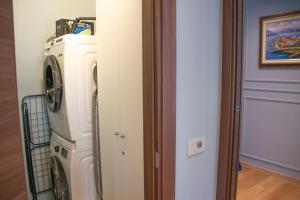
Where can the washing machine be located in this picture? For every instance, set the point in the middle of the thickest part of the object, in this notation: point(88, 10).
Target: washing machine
point(69, 64)
point(70, 88)
point(72, 170)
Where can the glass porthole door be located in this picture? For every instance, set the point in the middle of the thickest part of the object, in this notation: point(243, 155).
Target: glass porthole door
point(59, 180)
point(52, 83)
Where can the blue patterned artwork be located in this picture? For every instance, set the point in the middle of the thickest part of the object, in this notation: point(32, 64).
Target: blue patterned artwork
point(280, 37)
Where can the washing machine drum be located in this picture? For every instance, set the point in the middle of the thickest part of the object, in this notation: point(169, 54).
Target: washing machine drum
point(59, 180)
point(52, 83)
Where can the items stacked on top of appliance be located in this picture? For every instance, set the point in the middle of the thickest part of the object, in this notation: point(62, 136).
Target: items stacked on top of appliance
point(80, 25)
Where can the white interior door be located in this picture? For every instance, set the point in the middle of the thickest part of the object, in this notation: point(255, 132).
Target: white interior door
point(119, 35)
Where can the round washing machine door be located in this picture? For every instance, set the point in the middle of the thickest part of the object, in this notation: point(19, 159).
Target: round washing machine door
point(59, 180)
point(52, 83)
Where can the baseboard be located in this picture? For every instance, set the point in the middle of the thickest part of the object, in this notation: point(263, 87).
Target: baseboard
point(271, 169)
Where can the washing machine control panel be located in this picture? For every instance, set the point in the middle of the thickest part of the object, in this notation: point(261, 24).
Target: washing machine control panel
point(61, 151)
point(64, 153)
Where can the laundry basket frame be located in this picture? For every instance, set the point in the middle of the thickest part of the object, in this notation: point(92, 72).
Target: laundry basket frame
point(37, 134)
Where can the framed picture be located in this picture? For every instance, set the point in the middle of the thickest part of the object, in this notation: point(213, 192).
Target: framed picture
point(280, 39)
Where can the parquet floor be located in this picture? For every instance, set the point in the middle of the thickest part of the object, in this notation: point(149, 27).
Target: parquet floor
point(259, 184)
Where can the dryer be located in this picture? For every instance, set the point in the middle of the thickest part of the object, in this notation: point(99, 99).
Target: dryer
point(72, 170)
point(69, 62)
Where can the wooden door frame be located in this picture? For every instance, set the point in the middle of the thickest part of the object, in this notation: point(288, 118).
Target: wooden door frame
point(159, 88)
point(230, 99)
point(12, 172)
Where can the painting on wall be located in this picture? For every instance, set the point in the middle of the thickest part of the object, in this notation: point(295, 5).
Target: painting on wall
point(280, 39)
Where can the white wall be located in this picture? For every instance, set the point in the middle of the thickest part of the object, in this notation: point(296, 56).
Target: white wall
point(198, 78)
point(34, 22)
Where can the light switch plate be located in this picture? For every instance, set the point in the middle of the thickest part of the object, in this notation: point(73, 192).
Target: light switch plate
point(196, 146)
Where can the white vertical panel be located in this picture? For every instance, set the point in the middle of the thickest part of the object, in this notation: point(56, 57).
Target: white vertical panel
point(119, 39)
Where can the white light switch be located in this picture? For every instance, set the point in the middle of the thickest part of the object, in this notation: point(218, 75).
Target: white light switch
point(196, 145)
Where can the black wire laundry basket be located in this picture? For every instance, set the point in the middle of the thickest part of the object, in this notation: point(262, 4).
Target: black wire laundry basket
point(37, 135)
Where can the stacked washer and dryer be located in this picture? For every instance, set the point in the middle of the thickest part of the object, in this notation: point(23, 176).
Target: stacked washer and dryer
point(70, 84)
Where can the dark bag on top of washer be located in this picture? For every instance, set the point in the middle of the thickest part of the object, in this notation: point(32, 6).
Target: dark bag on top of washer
point(64, 26)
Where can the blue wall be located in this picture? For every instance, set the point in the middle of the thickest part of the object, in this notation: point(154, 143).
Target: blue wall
point(271, 99)
point(198, 69)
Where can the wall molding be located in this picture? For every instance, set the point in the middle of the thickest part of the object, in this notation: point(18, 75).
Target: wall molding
point(271, 162)
point(243, 153)
point(271, 100)
point(271, 90)
point(262, 80)
point(272, 81)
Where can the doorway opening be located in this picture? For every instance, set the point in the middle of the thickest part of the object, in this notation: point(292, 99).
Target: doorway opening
point(157, 33)
point(259, 130)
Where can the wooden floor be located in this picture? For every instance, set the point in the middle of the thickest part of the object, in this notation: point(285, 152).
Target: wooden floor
point(259, 184)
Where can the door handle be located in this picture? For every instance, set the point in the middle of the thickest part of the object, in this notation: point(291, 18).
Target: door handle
point(116, 133)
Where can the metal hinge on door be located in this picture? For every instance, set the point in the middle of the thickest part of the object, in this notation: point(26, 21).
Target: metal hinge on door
point(157, 160)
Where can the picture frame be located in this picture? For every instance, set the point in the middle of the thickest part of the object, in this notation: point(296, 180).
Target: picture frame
point(280, 39)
